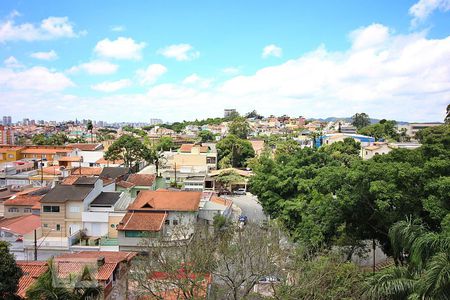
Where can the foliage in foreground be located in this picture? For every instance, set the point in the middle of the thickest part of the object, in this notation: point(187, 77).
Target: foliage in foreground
point(10, 273)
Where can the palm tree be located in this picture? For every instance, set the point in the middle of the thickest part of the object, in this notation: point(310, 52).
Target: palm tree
point(426, 270)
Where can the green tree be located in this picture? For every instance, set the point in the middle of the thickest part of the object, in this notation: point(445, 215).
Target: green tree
point(234, 152)
point(165, 143)
point(253, 114)
point(227, 178)
point(10, 273)
point(90, 127)
point(130, 149)
point(39, 139)
point(206, 136)
point(382, 130)
point(360, 120)
point(239, 127)
point(447, 117)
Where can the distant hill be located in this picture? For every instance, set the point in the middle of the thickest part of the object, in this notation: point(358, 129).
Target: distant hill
point(349, 119)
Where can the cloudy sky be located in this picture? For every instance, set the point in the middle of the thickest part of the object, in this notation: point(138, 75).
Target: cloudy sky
point(181, 60)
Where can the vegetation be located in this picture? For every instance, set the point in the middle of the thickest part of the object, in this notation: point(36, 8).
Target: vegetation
point(360, 120)
point(254, 114)
point(130, 149)
point(90, 127)
point(425, 263)
point(206, 136)
point(234, 152)
point(10, 273)
point(329, 196)
point(227, 178)
point(385, 129)
point(239, 127)
point(136, 131)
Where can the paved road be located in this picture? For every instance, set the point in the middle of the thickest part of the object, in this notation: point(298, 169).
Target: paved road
point(250, 207)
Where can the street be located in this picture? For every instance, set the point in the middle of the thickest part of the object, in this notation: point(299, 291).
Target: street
point(249, 207)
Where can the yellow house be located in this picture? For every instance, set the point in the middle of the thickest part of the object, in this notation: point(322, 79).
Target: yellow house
point(10, 153)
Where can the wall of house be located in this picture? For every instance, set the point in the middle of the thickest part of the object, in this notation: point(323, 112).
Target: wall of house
point(21, 210)
point(49, 220)
point(90, 157)
point(114, 219)
point(98, 187)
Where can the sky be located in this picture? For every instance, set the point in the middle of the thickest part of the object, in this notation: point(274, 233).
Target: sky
point(183, 60)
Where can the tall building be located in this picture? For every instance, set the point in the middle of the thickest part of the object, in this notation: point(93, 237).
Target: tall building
point(155, 121)
point(229, 112)
point(7, 121)
point(6, 135)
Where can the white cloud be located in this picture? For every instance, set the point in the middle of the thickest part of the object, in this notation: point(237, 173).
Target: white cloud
point(181, 52)
point(12, 62)
point(117, 28)
point(369, 37)
point(48, 29)
point(50, 55)
point(272, 50)
point(197, 81)
point(120, 48)
point(96, 67)
point(424, 8)
point(231, 70)
point(35, 78)
point(150, 74)
point(111, 86)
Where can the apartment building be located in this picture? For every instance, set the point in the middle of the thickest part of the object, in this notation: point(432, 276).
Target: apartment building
point(6, 135)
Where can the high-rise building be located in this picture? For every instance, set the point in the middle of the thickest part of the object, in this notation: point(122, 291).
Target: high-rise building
point(229, 112)
point(7, 121)
point(155, 121)
point(6, 135)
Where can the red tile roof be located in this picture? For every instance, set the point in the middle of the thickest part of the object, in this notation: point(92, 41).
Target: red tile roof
point(21, 225)
point(70, 158)
point(125, 184)
point(142, 179)
point(110, 256)
point(31, 271)
point(23, 200)
point(87, 171)
point(46, 150)
point(221, 201)
point(164, 200)
point(86, 147)
point(103, 161)
point(186, 147)
point(145, 221)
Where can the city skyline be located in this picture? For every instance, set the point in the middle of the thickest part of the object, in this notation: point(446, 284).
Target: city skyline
point(184, 61)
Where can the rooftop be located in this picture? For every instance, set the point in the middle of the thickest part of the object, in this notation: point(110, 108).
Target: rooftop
point(164, 200)
point(21, 225)
point(146, 221)
point(87, 147)
point(114, 172)
point(141, 179)
point(63, 193)
point(106, 199)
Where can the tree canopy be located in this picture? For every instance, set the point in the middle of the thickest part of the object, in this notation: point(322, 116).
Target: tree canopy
point(234, 152)
point(328, 196)
point(128, 148)
point(10, 273)
point(206, 136)
point(385, 129)
point(239, 127)
point(360, 120)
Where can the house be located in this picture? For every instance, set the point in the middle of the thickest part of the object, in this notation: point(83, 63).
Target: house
point(62, 206)
point(16, 229)
point(102, 162)
point(89, 153)
point(157, 215)
point(10, 153)
point(23, 203)
point(211, 182)
point(258, 146)
point(109, 268)
point(115, 173)
point(378, 148)
point(141, 182)
point(331, 138)
point(212, 205)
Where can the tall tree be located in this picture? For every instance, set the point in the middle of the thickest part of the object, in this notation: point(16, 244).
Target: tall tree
point(360, 120)
point(206, 136)
point(234, 152)
point(90, 127)
point(239, 127)
point(130, 149)
point(10, 273)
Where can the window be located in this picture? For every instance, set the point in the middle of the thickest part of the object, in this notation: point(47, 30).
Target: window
point(27, 210)
point(58, 227)
point(175, 222)
point(45, 225)
point(10, 155)
point(13, 210)
point(167, 222)
point(113, 226)
point(74, 209)
point(53, 209)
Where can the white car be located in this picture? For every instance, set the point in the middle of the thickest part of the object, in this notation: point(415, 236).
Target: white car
point(240, 191)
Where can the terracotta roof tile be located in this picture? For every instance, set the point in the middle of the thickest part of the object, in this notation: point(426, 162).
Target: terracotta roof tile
point(186, 147)
point(164, 200)
point(31, 271)
point(103, 161)
point(87, 171)
point(86, 147)
point(21, 225)
point(146, 221)
point(110, 256)
point(221, 201)
point(23, 200)
point(70, 158)
point(125, 184)
point(142, 179)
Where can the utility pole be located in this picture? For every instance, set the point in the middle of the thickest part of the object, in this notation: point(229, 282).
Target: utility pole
point(374, 246)
point(175, 174)
point(42, 171)
point(35, 245)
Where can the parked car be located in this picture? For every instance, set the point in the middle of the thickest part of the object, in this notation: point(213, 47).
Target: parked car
point(223, 192)
point(240, 191)
point(243, 219)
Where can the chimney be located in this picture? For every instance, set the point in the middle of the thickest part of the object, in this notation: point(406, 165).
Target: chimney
point(100, 261)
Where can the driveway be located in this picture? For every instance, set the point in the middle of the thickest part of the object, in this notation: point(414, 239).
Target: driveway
point(249, 206)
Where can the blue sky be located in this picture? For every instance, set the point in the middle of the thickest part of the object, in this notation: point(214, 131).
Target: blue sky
point(116, 61)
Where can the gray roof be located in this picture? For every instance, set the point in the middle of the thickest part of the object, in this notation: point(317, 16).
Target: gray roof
point(106, 199)
point(63, 193)
point(114, 172)
point(86, 180)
